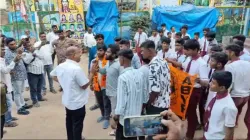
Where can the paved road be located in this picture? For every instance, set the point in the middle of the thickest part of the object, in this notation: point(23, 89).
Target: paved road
point(48, 121)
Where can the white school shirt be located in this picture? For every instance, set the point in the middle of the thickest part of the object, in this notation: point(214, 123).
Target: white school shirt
point(240, 70)
point(89, 40)
point(46, 51)
point(202, 42)
point(165, 33)
point(143, 37)
point(246, 51)
point(5, 73)
point(71, 77)
point(181, 58)
point(186, 35)
point(172, 45)
point(156, 39)
point(198, 67)
point(223, 115)
point(168, 54)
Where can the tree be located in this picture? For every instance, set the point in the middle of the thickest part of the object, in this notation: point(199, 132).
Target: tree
point(142, 21)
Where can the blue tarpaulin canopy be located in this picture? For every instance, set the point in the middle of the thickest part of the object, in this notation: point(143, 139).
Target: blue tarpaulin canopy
point(194, 17)
point(102, 16)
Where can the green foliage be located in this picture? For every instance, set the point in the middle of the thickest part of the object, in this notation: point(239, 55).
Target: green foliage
point(227, 30)
point(140, 21)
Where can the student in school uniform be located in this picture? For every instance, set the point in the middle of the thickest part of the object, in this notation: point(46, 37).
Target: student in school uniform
point(166, 51)
point(243, 56)
point(173, 32)
point(195, 65)
point(164, 28)
point(197, 36)
point(184, 33)
point(154, 37)
point(207, 58)
point(217, 62)
point(220, 115)
point(181, 56)
point(204, 42)
point(240, 70)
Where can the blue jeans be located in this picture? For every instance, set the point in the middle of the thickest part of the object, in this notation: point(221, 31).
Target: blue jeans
point(35, 83)
point(8, 116)
point(18, 88)
point(47, 70)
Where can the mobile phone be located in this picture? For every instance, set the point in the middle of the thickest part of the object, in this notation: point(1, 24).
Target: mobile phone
point(148, 125)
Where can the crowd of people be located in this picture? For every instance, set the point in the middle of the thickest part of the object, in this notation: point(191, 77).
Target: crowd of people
point(130, 80)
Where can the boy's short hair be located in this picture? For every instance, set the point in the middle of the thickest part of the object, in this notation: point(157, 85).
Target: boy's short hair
point(197, 33)
point(118, 39)
point(215, 48)
point(169, 33)
point(103, 47)
point(148, 44)
point(206, 29)
point(125, 42)
point(240, 43)
point(223, 78)
point(220, 57)
point(163, 25)
point(234, 48)
point(192, 44)
point(180, 41)
point(240, 37)
point(127, 53)
point(99, 36)
point(211, 34)
point(114, 48)
point(178, 34)
point(166, 40)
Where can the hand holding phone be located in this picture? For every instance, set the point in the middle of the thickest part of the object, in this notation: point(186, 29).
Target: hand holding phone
point(175, 127)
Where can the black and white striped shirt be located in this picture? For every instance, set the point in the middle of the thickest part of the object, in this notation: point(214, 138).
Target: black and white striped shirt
point(34, 66)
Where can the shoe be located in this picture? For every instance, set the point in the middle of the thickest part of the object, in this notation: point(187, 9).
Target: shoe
point(43, 99)
point(100, 119)
point(26, 99)
point(199, 127)
point(53, 91)
point(14, 118)
point(36, 105)
point(10, 124)
point(105, 124)
point(23, 111)
point(26, 106)
point(94, 107)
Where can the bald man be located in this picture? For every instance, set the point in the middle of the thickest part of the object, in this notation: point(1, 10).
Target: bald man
point(75, 94)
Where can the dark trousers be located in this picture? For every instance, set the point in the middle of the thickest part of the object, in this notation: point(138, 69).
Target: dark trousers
point(74, 123)
point(191, 112)
point(202, 103)
point(36, 84)
point(53, 57)
point(104, 103)
point(2, 125)
point(119, 134)
point(152, 110)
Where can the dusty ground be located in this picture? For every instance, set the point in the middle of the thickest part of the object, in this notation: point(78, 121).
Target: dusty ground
point(48, 121)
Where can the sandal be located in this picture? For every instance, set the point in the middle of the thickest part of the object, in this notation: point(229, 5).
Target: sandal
point(112, 133)
point(10, 124)
point(14, 118)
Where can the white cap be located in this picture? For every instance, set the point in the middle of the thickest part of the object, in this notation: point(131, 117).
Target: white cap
point(23, 37)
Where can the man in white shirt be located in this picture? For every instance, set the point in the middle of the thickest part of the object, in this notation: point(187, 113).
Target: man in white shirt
point(51, 37)
point(194, 66)
point(184, 33)
point(166, 52)
point(154, 37)
point(130, 93)
point(220, 114)
point(164, 28)
point(139, 38)
point(89, 38)
point(240, 70)
point(6, 79)
point(46, 50)
point(211, 38)
point(75, 93)
point(159, 80)
point(33, 59)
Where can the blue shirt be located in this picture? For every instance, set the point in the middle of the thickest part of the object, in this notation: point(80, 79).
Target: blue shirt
point(19, 71)
point(92, 55)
